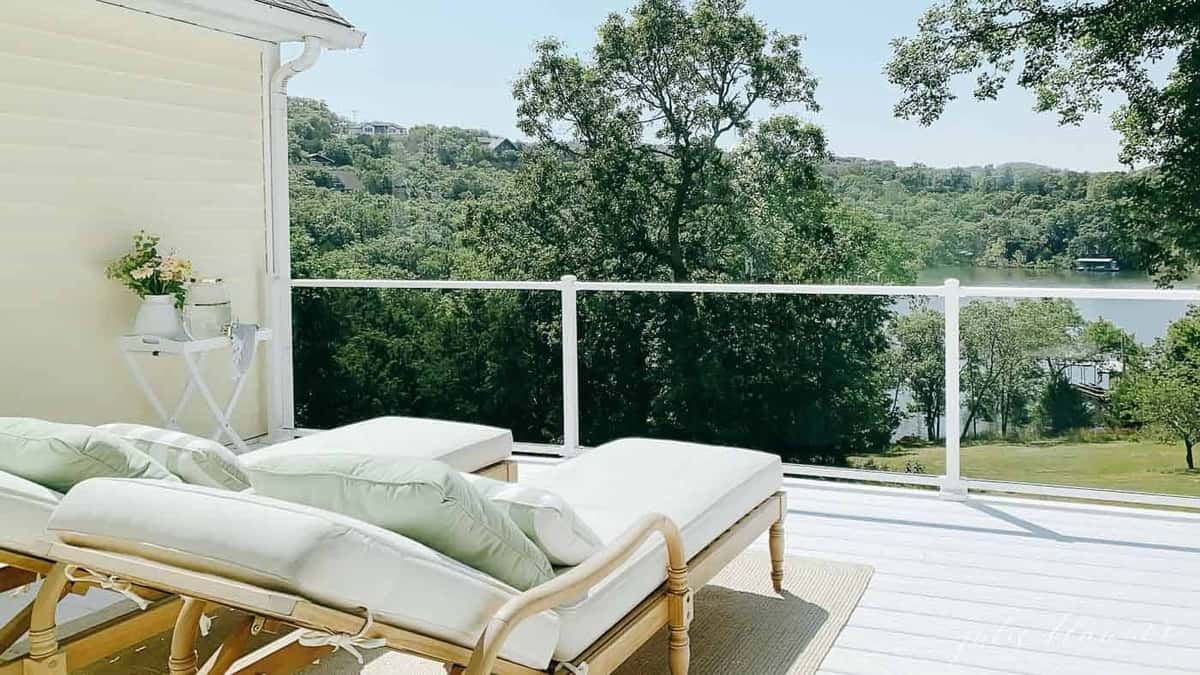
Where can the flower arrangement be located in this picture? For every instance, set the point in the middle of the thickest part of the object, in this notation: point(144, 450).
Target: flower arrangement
point(145, 272)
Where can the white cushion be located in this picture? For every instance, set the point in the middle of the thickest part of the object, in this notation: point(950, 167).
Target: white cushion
point(705, 489)
point(196, 460)
point(25, 507)
point(325, 557)
point(543, 516)
point(465, 447)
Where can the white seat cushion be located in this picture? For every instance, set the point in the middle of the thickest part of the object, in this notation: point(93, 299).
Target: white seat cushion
point(465, 447)
point(327, 558)
point(25, 507)
point(705, 489)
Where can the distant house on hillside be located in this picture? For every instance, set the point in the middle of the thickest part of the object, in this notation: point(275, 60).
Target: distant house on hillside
point(381, 129)
point(320, 158)
point(496, 145)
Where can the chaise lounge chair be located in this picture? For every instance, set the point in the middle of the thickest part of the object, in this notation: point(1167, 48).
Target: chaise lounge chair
point(25, 507)
point(671, 516)
point(472, 448)
point(25, 550)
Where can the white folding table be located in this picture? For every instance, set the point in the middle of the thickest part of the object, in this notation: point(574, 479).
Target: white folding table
point(193, 353)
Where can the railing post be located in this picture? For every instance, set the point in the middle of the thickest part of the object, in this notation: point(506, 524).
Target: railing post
point(570, 366)
point(953, 486)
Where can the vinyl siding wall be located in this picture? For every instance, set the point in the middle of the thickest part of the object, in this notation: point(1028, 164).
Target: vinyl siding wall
point(111, 121)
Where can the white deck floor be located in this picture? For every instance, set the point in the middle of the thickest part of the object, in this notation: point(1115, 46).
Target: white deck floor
point(997, 585)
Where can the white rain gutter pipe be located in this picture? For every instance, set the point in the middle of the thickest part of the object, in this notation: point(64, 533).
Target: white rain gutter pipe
point(281, 405)
point(307, 59)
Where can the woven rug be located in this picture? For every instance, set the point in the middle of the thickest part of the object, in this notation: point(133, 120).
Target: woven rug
point(741, 626)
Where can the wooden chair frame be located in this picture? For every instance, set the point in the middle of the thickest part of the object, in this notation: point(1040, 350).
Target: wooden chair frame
point(505, 470)
point(87, 646)
point(19, 569)
point(670, 605)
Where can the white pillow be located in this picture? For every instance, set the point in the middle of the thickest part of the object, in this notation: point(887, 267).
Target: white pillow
point(547, 519)
point(195, 460)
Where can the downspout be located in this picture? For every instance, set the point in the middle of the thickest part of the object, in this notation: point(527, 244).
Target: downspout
point(307, 59)
point(281, 402)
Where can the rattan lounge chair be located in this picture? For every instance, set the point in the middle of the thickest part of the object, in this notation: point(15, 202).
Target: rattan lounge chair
point(671, 514)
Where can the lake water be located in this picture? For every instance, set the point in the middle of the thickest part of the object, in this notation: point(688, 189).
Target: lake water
point(1146, 319)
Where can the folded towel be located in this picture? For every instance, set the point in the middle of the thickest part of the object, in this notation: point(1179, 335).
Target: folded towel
point(245, 341)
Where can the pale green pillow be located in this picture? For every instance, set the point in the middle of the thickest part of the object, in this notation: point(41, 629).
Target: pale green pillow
point(546, 518)
point(424, 500)
point(58, 456)
point(196, 460)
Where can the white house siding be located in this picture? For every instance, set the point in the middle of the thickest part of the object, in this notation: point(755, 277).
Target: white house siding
point(110, 121)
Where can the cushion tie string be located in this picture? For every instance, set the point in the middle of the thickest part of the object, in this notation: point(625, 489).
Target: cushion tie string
point(350, 643)
point(581, 669)
point(205, 625)
point(78, 575)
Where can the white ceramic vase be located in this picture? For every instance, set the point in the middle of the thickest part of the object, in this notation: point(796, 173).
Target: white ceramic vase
point(158, 316)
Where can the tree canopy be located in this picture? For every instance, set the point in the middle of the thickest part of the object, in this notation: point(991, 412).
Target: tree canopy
point(1072, 55)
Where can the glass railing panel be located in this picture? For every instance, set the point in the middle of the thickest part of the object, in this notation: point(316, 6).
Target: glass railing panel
point(815, 379)
point(1085, 392)
point(485, 356)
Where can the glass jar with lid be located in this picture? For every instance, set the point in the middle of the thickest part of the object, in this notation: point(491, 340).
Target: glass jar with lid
point(208, 310)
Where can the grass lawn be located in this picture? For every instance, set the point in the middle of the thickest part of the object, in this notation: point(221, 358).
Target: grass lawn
point(1139, 466)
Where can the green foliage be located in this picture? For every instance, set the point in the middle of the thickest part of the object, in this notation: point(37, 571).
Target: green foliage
point(919, 353)
point(596, 199)
point(685, 78)
point(1011, 350)
point(1072, 55)
point(634, 174)
point(1167, 394)
point(795, 375)
point(1014, 214)
point(310, 124)
point(1061, 407)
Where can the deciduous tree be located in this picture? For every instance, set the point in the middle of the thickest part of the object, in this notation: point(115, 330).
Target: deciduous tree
point(1072, 54)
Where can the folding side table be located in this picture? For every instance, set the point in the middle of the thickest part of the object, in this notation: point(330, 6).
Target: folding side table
point(193, 353)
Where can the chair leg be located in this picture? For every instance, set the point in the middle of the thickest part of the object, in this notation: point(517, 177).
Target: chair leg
point(183, 640)
point(775, 541)
point(45, 658)
point(679, 616)
point(233, 648)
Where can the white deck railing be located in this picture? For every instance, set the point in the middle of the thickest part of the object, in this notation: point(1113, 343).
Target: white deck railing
point(952, 484)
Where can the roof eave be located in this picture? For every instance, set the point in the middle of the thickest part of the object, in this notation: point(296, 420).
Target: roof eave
point(250, 19)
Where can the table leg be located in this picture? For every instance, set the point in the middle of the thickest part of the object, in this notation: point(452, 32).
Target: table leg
point(140, 378)
point(239, 383)
point(188, 388)
point(213, 406)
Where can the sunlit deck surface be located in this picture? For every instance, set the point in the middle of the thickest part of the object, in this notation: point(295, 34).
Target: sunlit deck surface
point(1003, 585)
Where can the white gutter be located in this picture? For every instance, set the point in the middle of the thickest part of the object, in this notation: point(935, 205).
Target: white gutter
point(307, 59)
point(279, 257)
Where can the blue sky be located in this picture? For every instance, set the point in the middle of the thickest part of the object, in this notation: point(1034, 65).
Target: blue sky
point(453, 63)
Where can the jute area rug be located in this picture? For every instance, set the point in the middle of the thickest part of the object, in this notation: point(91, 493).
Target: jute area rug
point(741, 627)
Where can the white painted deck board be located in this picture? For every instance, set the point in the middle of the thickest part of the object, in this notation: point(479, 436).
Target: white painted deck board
point(1003, 585)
